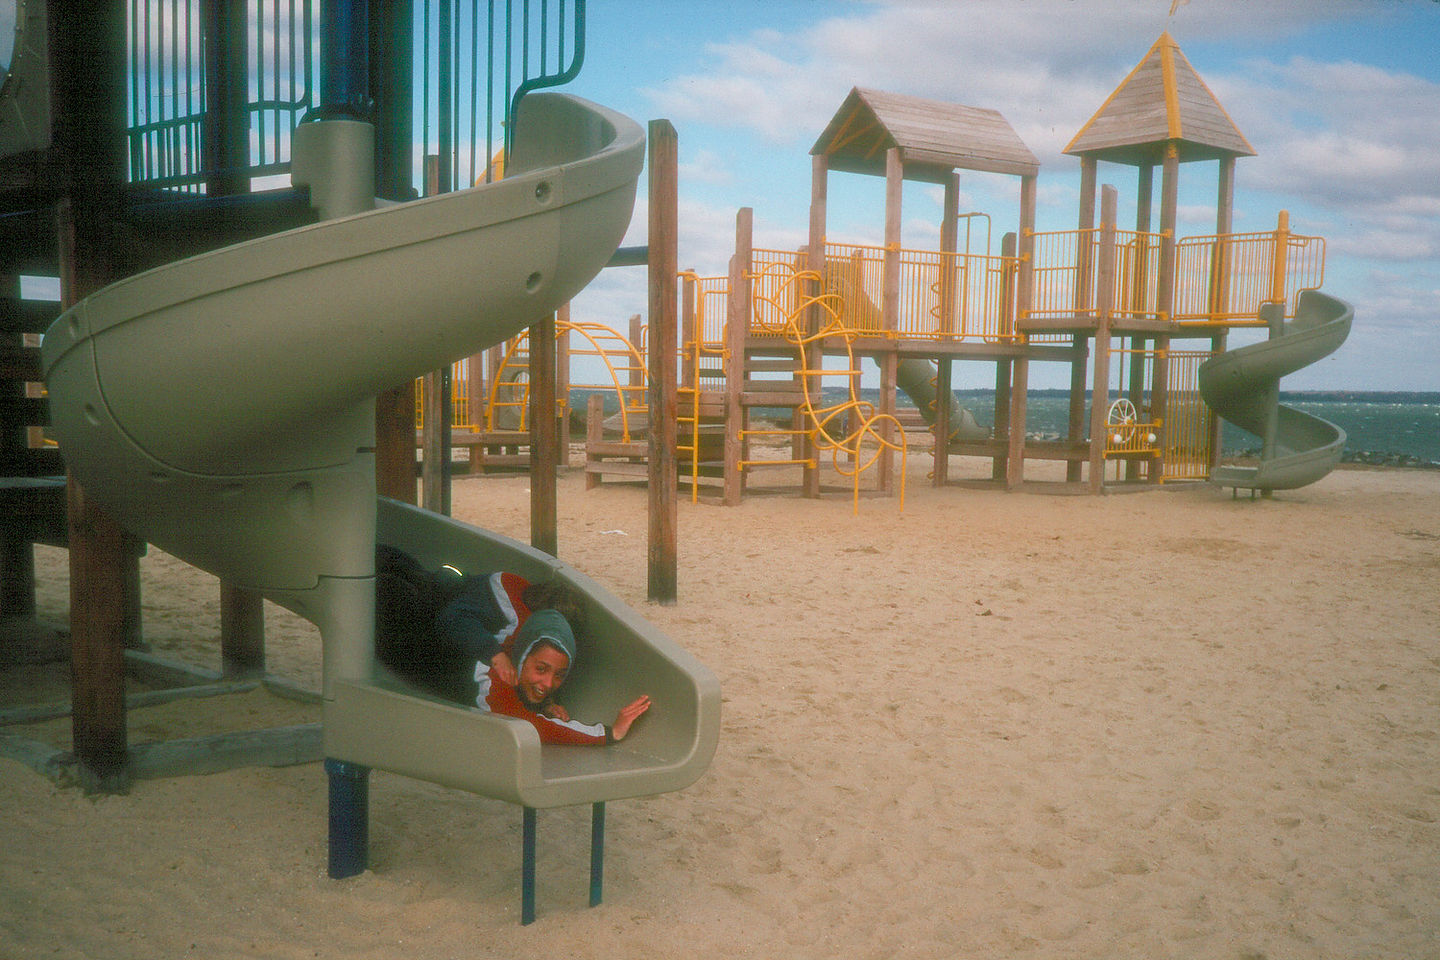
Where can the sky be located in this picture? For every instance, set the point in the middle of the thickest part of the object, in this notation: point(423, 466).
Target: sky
point(1340, 99)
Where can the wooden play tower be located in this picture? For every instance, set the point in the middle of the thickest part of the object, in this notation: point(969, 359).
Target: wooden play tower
point(1109, 302)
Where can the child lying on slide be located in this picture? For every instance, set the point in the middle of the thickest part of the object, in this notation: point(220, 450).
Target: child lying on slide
point(461, 637)
point(545, 649)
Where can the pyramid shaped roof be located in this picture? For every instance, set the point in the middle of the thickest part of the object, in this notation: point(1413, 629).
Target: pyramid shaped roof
point(934, 137)
point(1163, 100)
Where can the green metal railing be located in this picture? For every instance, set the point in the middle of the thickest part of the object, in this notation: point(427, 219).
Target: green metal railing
point(192, 61)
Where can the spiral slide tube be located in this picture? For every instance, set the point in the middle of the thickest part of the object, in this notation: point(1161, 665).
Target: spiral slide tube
point(1242, 386)
point(221, 407)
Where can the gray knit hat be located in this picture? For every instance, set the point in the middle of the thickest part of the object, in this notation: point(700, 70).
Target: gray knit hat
point(546, 625)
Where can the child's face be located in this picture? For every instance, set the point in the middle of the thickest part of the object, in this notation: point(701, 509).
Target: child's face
point(542, 673)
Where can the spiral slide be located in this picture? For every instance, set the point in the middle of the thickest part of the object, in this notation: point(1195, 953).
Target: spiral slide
point(1242, 386)
point(917, 378)
point(222, 408)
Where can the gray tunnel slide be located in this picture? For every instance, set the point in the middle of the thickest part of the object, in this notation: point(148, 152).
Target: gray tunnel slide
point(222, 408)
point(1242, 386)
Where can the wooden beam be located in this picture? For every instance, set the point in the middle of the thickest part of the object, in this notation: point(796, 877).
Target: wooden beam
point(562, 386)
point(1220, 282)
point(242, 628)
point(98, 555)
point(434, 448)
point(594, 436)
point(395, 443)
point(1104, 303)
point(1083, 292)
point(544, 528)
point(662, 554)
point(1160, 379)
point(815, 262)
point(737, 307)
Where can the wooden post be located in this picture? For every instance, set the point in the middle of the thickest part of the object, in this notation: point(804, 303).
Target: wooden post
point(1079, 374)
point(737, 323)
point(1005, 367)
point(1220, 284)
point(98, 556)
point(813, 356)
point(1165, 302)
point(943, 370)
point(636, 377)
point(1145, 189)
point(662, 555)
point(435, 445)
point(544, 530)
point(242, 627)
point(104, 577)
point(433, 450)
point(949, 244)
point(890, 306)
point(1019, 388)
point(1104, 302)
point(689, 336)
point(562, 386)
point(395, 443)
point(594, 436)
point(949, 241)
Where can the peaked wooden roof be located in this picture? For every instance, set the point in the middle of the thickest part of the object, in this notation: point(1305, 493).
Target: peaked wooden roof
point(934, 138)
point(1163, 100)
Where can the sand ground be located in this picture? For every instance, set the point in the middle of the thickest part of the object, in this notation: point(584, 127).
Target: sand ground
point(1168, 724)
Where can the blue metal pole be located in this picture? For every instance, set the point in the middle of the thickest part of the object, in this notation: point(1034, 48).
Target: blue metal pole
point(597, 853)
point(527, 867)
point(349, 818)
point(345, 64)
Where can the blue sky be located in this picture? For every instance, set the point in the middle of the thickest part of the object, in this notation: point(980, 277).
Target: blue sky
point(1340, 98)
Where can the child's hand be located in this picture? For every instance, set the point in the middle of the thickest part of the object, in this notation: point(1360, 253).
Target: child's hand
point(556, 712)
point(628, 715)
point(504, 669)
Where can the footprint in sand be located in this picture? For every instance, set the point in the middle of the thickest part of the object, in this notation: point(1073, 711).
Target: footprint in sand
point(1197, 809)
point(1130, 867)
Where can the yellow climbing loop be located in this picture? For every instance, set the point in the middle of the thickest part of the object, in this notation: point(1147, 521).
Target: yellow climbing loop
point(847, 428)
point(508, 399)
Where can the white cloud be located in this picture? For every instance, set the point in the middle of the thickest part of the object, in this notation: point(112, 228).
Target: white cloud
point(1348, 147)
point(704, 166)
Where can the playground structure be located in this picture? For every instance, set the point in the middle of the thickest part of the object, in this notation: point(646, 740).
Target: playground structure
point(271, 482)
point(1117, 298)
point(1114, 305)
point(1123, 309)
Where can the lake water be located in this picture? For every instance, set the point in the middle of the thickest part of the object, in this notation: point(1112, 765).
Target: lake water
point(1379, 426)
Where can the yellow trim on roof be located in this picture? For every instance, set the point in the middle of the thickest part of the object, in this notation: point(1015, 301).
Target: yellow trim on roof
point(1172, 88)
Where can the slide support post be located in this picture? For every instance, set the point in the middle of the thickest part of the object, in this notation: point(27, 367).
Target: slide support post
point(597, 853)
point(527, 867)
point(349, 818)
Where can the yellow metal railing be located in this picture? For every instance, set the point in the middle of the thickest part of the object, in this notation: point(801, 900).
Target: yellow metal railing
point(773, 298)
point(1223, 279)
point(1181, 433)
point(460, 401)
point(1067, 281)
point(940, 295)
point(1190, 424)
point(1137, 274)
